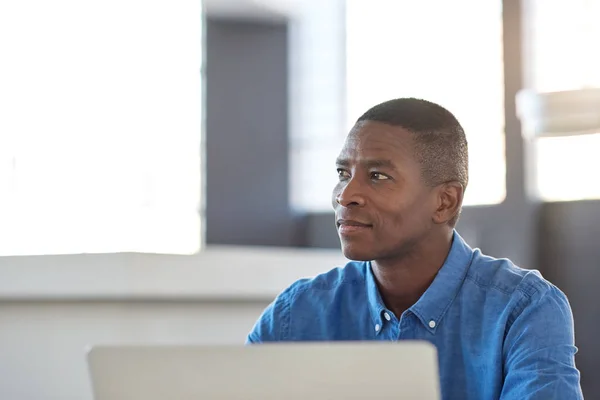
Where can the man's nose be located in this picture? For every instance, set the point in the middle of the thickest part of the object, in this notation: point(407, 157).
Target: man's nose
point(350, 195)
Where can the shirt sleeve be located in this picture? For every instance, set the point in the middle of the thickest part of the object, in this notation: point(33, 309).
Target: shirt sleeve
point(539, 350)
point(273, 324)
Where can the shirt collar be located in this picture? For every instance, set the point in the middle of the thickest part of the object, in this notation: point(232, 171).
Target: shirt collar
point(436, 300)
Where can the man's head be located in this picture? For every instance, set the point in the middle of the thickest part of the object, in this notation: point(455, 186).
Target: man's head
point(402, 172)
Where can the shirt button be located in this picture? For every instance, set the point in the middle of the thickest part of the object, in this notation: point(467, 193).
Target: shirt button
point(387, 316)
point(432, 324)
point(377, 328)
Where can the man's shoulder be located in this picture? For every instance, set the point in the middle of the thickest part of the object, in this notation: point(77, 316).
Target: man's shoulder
point(326, 283)
point(502, 275)
point(307, 299)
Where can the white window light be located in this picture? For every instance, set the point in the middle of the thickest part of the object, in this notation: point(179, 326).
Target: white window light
point(397, 48)
point(559, 114)
point(316, 101)
point(100, 133)
point(560, 108)
point(429, 49)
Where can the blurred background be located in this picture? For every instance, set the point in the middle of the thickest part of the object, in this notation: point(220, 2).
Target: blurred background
point(166, 167)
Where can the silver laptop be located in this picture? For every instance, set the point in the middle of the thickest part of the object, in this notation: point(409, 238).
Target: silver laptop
point(291, 371)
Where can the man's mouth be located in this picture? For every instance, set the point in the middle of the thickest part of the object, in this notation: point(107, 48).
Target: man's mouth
point(348, 226)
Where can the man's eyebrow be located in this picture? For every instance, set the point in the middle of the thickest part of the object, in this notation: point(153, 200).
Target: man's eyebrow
point(379, 164)
point(342, 162)
point(369, 163)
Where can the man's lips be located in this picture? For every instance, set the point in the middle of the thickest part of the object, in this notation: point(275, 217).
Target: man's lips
point(351, 222)
point(348, 226)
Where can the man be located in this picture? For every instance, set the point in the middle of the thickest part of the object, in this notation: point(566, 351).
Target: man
point(501, 332)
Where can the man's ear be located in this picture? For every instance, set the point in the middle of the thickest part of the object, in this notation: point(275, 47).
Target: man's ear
point(449, 202)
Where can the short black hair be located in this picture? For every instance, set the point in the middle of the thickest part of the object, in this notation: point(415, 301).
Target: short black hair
point(440, 142)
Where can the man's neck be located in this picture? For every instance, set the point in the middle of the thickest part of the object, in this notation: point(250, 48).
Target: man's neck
point(402, 281)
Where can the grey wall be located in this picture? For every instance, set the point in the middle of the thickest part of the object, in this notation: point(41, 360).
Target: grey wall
point(246, 134)
point(569, 250)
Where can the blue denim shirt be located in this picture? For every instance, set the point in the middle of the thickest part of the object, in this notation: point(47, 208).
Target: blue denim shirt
point(502, 332)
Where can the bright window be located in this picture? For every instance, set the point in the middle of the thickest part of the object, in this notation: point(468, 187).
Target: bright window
point(568, 168)
point(317, 101)
point(565, 59)
point(448, 52)
point(100, 129)
point(385, 49)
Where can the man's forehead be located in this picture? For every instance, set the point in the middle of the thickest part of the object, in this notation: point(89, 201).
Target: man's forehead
point(372, 142)
point(375, 137)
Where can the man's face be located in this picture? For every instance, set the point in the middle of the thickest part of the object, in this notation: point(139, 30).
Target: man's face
point(382, 206)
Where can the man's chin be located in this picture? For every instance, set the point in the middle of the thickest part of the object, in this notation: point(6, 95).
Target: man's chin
point(356, 254)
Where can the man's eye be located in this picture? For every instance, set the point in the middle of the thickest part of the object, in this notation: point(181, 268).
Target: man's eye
point(378, 176)
point(342, 174)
